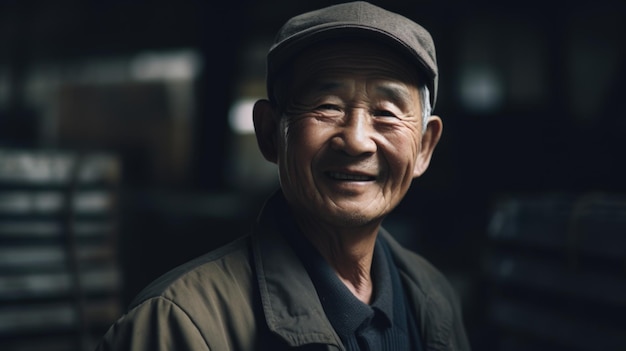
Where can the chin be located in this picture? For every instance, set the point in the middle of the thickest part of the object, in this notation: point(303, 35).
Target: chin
point(352, 218)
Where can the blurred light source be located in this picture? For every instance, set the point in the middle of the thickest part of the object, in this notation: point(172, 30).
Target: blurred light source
point(481, 90)
point(240, 116)
point(178, 65)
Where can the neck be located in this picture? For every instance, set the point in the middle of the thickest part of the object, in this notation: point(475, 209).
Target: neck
point(349, 251)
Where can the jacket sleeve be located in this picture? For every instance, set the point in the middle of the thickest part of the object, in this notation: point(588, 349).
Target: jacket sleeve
point(157, 324)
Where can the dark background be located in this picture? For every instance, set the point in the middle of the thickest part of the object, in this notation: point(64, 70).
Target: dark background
point(531, 94)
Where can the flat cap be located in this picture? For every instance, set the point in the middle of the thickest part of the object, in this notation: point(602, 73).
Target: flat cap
point(355, 19)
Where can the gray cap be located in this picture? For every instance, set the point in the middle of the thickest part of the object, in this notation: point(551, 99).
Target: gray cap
point(352, 19)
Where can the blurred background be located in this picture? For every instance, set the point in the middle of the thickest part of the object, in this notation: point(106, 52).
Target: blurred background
point(126, 148)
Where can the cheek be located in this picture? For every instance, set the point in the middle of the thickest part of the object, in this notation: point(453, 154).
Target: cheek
point(402, 148)
point(301, 143)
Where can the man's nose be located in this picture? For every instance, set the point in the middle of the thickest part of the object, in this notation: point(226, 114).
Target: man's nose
point(356, 134)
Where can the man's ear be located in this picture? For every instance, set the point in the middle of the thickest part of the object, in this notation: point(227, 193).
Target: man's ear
point(430, 138)
point(265, 128)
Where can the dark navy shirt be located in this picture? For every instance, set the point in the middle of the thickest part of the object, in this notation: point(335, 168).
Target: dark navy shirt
point(385, 324)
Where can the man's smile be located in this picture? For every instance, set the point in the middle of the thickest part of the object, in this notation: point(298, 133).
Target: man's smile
point(342, 176)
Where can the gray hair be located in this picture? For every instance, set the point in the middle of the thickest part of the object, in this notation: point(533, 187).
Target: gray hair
point(426, 107)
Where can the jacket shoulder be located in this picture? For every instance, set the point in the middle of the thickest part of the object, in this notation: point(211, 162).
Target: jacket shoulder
point(189, 275)
point(149, 327)
point(208, 300)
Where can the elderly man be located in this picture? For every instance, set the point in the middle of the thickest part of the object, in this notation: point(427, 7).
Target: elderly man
point(348, 123)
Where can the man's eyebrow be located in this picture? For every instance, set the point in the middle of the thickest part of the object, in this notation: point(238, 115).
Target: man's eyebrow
point(395, 92)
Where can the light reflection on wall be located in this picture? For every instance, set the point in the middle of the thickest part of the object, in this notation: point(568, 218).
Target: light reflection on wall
point(240, 116)
point(248, 170)
point(481, 90)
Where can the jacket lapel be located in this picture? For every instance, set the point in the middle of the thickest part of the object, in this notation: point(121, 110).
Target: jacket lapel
point(289, 300)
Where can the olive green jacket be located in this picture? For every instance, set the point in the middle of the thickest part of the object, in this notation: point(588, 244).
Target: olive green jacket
point(254, 294)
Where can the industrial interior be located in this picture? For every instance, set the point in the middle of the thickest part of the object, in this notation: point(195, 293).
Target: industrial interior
point(127, 148)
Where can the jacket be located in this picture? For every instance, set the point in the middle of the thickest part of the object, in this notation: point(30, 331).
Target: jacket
point(255, 294)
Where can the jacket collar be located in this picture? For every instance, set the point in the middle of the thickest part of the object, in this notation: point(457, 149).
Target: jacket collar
point(289, 300)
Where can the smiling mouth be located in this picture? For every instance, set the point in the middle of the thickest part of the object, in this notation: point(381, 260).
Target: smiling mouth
point(349, 177)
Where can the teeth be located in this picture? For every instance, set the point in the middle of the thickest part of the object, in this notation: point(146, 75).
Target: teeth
point(355, 177)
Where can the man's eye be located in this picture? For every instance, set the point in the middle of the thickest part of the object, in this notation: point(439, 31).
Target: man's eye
point(330, 107)
point(383, 113)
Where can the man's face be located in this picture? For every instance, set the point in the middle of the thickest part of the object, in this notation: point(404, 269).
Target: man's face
point(350, 140)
